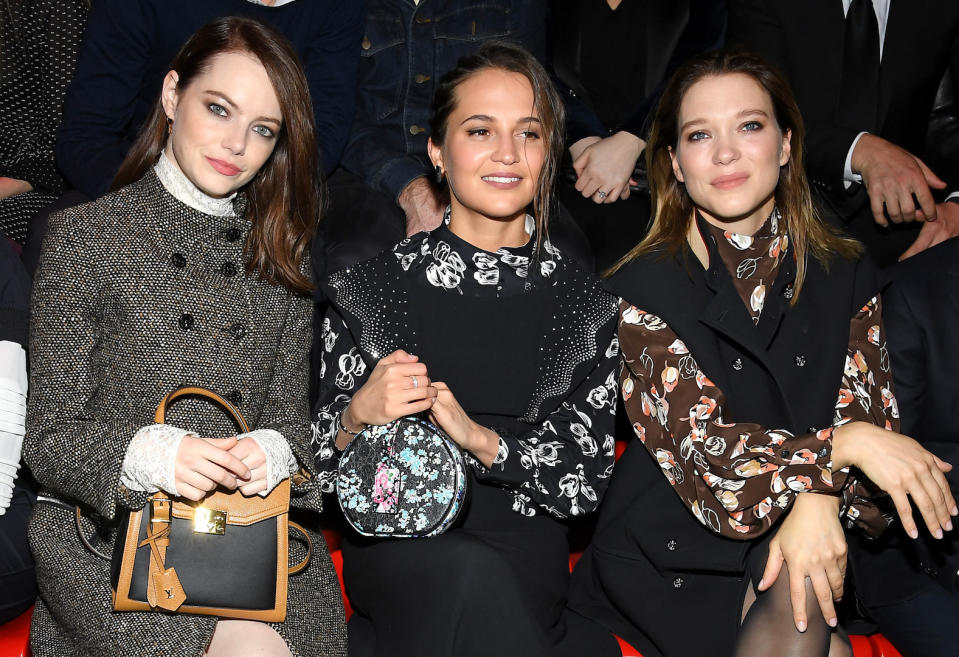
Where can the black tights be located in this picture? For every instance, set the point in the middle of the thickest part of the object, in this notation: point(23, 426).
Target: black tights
point(768, 628)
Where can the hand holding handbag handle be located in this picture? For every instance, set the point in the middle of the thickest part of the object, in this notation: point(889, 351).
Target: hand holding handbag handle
point(234, 413)
point(160, 417)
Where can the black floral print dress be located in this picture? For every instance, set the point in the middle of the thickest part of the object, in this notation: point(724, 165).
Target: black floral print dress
point(526, 342)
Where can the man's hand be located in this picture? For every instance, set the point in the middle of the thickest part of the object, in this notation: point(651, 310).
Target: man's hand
point(12, 187)
point(605, 165)
point(892, 177)
point(945, 226)
point(422, 204)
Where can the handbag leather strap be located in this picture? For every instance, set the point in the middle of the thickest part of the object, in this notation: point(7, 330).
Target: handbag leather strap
point(298, 568)
point(160, 414)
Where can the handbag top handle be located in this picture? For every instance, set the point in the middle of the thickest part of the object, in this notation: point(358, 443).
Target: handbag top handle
point(160, 415)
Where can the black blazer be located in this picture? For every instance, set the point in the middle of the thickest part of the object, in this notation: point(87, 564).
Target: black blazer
point(651, 566)
point(804, 38)
point(921, 312)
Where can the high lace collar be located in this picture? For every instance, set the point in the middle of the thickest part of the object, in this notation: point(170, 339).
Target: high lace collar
point(180, 187)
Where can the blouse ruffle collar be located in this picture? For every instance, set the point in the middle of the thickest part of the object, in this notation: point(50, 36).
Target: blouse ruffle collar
point(180, 187)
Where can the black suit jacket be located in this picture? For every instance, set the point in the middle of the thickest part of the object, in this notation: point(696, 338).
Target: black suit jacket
point(921, 314)
point(804, 39)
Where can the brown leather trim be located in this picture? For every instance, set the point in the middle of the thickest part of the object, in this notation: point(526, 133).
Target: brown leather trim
point(298, 568)
point(240, 510)
point(121, 597)
point(160, 414)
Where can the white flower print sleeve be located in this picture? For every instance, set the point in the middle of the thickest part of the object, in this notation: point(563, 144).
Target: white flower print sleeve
point(562, 465)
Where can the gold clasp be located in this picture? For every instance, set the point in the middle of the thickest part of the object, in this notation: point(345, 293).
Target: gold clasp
point(209, 521)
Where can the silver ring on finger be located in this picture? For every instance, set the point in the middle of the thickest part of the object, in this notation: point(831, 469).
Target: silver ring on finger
point(416, 384)
point(601, 194)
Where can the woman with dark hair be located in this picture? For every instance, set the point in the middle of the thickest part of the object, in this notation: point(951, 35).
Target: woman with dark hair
point(193, 271)
point(514, 358)
point(752, 392)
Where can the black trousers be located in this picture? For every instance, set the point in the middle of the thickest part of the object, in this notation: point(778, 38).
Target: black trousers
point(495, 585)
point(18, 582)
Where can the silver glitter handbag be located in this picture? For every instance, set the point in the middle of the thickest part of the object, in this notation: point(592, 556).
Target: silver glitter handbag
point(405, 479)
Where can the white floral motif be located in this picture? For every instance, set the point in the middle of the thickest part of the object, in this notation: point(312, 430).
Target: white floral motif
point(351, 365)
point(519, 264)
point(329, 336)
point(447, 269)
point(598, 397)
point(487, 271)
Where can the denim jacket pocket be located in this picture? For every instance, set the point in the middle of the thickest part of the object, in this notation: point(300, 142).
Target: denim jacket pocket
point(382, 69)
point(480, 21)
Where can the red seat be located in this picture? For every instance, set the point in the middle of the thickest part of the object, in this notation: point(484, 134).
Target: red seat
point(15, 636)
point(882, 647)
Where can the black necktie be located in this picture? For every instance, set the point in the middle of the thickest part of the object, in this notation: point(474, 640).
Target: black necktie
point(859, 97)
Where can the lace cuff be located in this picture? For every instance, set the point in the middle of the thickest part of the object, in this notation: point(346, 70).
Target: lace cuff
point(150, 461)
point(280, 462)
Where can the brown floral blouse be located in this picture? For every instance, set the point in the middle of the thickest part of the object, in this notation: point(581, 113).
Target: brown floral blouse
point(732, 475)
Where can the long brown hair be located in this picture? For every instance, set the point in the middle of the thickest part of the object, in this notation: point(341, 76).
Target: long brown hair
point(285, 199)
point(546, 102)
point(672, 206)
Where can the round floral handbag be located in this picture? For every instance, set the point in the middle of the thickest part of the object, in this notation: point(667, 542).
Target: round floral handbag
point(405, 479)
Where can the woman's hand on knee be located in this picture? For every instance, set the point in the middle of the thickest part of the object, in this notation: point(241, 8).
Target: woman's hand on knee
point(398, 386)
point(903, 468)
point(202, 464)
point(811, 543)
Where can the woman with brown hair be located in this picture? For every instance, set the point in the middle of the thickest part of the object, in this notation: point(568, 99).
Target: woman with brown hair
point(509, 347)
point(193, 271)
point(757, 401)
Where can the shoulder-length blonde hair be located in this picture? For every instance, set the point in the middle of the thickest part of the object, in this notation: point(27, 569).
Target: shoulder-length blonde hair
point(673, 208)
point(285, 197)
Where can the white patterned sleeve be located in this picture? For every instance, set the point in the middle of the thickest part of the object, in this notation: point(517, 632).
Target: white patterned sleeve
point(342, 372)
point(150, 461)
point(565, 462)
point(280, 461)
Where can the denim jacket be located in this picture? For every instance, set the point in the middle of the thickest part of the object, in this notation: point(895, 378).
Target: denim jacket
point(405, 50)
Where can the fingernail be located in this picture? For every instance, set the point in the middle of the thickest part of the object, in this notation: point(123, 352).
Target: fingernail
point(948, 525)
point(913, 533)
point(955, 511)
point(801, 626)
point(937, 533)
point(762, 582)
point(833, 622)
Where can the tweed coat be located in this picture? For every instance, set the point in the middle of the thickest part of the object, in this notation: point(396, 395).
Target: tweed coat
point(137, 294)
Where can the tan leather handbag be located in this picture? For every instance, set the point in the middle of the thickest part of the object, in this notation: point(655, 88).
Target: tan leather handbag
point(224, 556)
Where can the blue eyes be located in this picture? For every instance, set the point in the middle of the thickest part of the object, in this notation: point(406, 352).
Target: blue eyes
point(749, 126)
point(221, 112)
